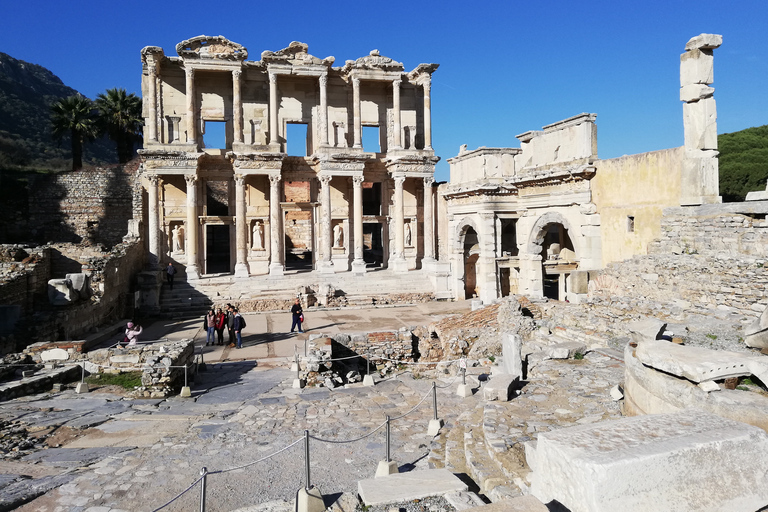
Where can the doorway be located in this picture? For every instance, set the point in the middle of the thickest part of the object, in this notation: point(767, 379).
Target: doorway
point(373, 247)
point(217, 254)
point(471, 255)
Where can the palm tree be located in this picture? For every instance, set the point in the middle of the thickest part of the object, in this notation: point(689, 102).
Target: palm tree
point(120, 118)
point(74, 116)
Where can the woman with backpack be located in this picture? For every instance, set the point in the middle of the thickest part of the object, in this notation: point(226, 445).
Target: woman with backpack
point(210, 325)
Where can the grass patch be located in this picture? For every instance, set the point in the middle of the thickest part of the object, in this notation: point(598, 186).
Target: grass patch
point(578, 355)
point(712, 336)
point(127, 380)
point(492, 359)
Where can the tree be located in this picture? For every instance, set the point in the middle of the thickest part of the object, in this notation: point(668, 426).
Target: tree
point(120, 118)
point(74, 116)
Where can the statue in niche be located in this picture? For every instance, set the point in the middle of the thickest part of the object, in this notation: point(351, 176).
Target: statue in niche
point(408, 234)
point(257, 240)
point(338, 236)
point(178, 239)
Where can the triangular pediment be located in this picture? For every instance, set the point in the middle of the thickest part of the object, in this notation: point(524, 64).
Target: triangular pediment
point(211, 47)
point(295, 54)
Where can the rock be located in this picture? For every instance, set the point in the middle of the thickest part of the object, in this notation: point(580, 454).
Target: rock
point(501, 387)
point(564, 350)
point(648, 329)
point(511, 347)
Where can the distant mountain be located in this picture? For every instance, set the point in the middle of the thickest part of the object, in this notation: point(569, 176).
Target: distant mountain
point(743, 162)
point(26, 94)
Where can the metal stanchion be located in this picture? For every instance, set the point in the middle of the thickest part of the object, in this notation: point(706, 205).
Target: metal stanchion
point(82, 386)
point(387, 466)
point(306, 458)
point(186, 392)
point(434, 400)
point(297, 380)
point(368, 379)
point(388, 459)
point(201, 367)
point(309, 499)
point(204, 474)
point(464, 376)
point(435, 424)
point(463, 390)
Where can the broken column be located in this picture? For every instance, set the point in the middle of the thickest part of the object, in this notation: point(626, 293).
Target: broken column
point(700, 170)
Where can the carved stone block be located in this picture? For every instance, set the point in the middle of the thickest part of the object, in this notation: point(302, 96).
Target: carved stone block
point(697, 67)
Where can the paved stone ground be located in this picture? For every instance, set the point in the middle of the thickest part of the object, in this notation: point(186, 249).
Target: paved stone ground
point(138, 454)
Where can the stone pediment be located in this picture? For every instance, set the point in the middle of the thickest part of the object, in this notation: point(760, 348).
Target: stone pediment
point(295, 54)
point(151, 51)
point(373, 61)
point(211, 47)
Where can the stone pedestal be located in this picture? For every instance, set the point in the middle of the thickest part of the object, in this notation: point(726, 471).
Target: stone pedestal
point(309, 500)
point(399, 265)
point(464, 390)
point(386, 468)
point(434, 427)
point(241, 270)
point(326, 267)
point(359, 267)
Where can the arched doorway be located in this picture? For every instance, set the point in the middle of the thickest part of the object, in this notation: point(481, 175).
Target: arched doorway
point(558, 260)
point(471, 255)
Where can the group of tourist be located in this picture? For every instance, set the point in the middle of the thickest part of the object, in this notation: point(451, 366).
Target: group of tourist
point(215, 322)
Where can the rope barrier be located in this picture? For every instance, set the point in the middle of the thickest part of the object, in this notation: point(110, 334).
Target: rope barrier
point(348, 440)
point(180, 494)
point(413, 408)
point(222, 471)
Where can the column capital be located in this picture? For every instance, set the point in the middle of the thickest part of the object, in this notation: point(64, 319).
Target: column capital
point(355, 82)
point(189, 72)
point(274, 179)
point(239, 180)
point(237, 73)
point(357, 180)
point(396, 82)
point(399, 180)
point(325, 179)
point(323, 80)
point(153, 179)
point(191, 178)
point(429, 181)
point(272, 78)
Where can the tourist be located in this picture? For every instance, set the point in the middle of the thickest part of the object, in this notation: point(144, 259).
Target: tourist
point(221, 321)
point(239, 324)
point(210, 325)
point(132, 333)
point(298, 315)
point(231, 324)
point(170, 271)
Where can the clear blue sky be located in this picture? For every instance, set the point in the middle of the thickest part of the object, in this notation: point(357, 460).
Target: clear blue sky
point(506, 67)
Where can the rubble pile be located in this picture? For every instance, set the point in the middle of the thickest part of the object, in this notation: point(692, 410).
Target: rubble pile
point(16, 442)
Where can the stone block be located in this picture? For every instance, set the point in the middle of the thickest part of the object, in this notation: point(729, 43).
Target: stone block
point(501, 387)
point(125, 358)
point(60, 293)
point(564, 350)
point(700, 124)
point(757, 340)
point(697, 67)
point(511, 347)
point(408, 486)
point(695, 92)
point(704, 42)
point(79, 283)
point(515, 504)
point(647, 329)
point(687, 461)
point(54, 354)
point(579, 281)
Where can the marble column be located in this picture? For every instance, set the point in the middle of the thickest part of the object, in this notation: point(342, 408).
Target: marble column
point(191, 117)
point(154, 222)
point(273, 109)
point(276, 267)
point(323, 110)
point(237, 106)
point(398, 263)
point(241, 229)
point(427, 115)
point(358, 128)
point(429, 223)
point(326, 231)
point(358, 264)
point(397, 130)
point(152, 104)
point(191, 231)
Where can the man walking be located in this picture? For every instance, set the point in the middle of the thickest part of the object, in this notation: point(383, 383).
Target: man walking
point(238, 329)
point(231, 324)
point(296, 313)
point(170, 271)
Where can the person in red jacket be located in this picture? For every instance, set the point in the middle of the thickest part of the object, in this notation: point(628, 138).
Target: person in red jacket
point(220, 323)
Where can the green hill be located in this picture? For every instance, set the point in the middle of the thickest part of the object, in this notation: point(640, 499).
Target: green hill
point(26, 94)
point(743, 162)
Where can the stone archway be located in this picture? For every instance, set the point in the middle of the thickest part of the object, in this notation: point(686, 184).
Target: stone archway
point(555, 244)
point(467, 252)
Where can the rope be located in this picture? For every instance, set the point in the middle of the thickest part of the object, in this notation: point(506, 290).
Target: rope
point(349, 440)
point(221, 471)
point(450, 383)
point(180, 494)
point(412, 409)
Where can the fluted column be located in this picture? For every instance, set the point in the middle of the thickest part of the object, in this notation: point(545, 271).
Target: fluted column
point(427, 115)
point(237, 106)
point(241, 230)
point(191, 118)
point(358, 128)
point(429, 237)
point(275, 227)
point(190, 233)
point(154, 222)
point(397, 130)
point(273, 108)
point(358, 264)
point(326, 231)
point(152, 103)
point(399, 256)
point(323, 110)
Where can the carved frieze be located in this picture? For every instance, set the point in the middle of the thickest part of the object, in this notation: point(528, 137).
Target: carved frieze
point(295, 54)
point(211, 47)
point(272, 161)
point(374, 60)
point(153, 159)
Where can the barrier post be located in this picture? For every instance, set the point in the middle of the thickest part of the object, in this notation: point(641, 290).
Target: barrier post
point(297, 384)
point(387, 466)
point(186, 392)
point(308, 498)
point(82, 386)
point(202, 367)
point(368, 379)
point(204, 474)
point(306, 458)
point(435, 424)
point(463, 390)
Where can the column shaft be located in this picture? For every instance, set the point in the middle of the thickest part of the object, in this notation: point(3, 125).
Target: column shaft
point(397, 130)
point(191, 118)
point(357, 203)
point(275, 227)
point(327, 231)
point(427, 116)
point(237, 106)
point(399, 219)
point(154, 223)
point(191, 229)
point(429, 236)
point(241, 230)
point(273, 108)
point(323, 110)
point(152, 104)
point(358, 128)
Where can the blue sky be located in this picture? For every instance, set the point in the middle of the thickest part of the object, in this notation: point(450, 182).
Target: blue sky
point(506, 67)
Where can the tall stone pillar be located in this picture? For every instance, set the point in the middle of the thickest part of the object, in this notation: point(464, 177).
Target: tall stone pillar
point(326, 231)
point(398, 263)
point(276, 267)
point(191, 117)
point(397, 130)
point(358, 128)
point(427, 114)
point(273, 109)
point(323, 110)
point(152, 104)
point(358, 264)
point(154, 222)
point(429, 223)
point(237, 106)
point(241, 229)
point(191, 231)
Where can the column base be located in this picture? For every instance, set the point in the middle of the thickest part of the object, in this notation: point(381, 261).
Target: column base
point(399, 265)
point(358, 267)
point(326, 267)
point(276, 269)
point(241, 270)
point(193, 273)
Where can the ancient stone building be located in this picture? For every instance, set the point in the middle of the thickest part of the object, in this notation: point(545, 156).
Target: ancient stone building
point(536, 220)
point(290, 184)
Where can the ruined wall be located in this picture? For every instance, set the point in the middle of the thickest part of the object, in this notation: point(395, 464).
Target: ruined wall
point(637, 186)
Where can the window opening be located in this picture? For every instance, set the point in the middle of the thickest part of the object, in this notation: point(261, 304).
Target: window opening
point(214, 134)
point(371, 141)
point(371, 198)
point(296, 139)
point(630, 224)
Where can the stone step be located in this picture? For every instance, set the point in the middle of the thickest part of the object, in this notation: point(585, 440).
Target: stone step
point(436, 456)
point(505, 445)
point(455, 460)
point(412, 485)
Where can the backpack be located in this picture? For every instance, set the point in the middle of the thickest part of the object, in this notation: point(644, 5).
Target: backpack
point(242, 322)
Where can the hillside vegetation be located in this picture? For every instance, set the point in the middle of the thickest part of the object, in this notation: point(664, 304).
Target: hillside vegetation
point(743, 162)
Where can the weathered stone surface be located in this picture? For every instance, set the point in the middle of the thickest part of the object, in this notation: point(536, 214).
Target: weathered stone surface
point(579, 281)
point(54, 354)
point(512, 362)
point(649, 328)
point(516, 504)
point(408, 486)
point(564, 350)
point(663, 462)
point(704, 41)
point(60, 293)
point(695, 92)
point(501, 387)
point(700, 122)
point(696, 67)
